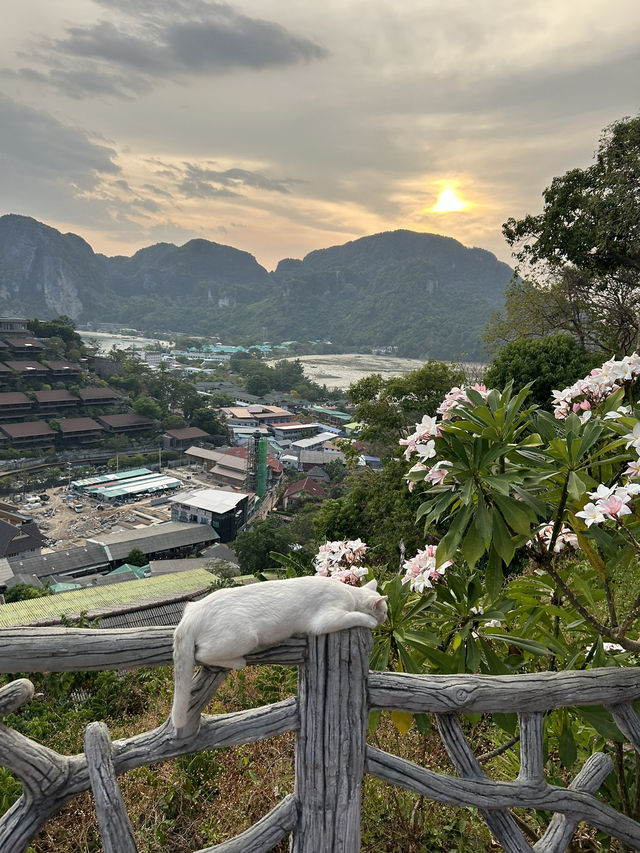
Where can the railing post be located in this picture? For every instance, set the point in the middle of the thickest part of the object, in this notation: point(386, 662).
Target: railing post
point(331, 741)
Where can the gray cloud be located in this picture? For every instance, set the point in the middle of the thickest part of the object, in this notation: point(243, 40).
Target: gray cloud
point(204, 180)
point(162, 41)
point(36, 146)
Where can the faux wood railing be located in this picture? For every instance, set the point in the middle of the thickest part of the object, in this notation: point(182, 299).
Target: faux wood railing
point(335, 694)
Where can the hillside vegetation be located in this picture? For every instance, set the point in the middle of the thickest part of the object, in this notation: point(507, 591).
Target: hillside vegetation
point(355, 295)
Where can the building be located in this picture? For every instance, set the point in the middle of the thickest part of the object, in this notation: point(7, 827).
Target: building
point(126, 423)
point(333, 417)
point(14, 405)
point(28, 369)
point(180, 439)
point(303, 490)
point(29, 434)
point(155, 600)
point(96, 396)
point(80, 430)
point(255, 415)
point(220, 467)
point(158, 541)
point(284, 434)
point(14, 326)
point(316, 442)
point(74, 562)
point(226, 512)
point(63, 369)
point(24, 345)
point(19, 534)
point(53, 402)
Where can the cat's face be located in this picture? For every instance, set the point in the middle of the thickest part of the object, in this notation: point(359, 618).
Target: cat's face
point(375, 603)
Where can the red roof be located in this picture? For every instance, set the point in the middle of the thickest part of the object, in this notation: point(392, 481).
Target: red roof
point(307, 485)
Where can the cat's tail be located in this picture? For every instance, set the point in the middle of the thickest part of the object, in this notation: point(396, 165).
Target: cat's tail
point(183, 663)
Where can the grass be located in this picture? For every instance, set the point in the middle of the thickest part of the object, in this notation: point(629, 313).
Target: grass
point(206, 798)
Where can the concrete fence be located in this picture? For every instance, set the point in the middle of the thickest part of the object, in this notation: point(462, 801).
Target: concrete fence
point(336, 692)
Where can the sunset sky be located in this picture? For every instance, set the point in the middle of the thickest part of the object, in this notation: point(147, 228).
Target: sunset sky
point(279, 127)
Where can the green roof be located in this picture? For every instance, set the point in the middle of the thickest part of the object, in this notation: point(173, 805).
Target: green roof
point(138, 571)
point(102, 597)
point(334, 413)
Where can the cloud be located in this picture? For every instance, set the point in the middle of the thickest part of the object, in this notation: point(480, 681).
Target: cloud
point(161, 41)
point(204, 182)
point(36, 147)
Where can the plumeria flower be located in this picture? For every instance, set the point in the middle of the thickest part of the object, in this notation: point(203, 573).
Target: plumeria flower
point(341, 560)
point(566, 538)
point(493, 623)
point(613, 507)
point(633, 437)
point(426, 451)
point(633, 469)
point(608, 647)
point(437, 475)
point(620, 412)
point(421, 571)
point(602, 492)
point(591, 514)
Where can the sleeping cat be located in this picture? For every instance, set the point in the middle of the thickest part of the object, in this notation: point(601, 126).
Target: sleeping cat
point(221, 629)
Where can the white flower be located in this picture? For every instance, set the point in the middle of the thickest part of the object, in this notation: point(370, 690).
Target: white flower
point(633, 437)
point(591, 514)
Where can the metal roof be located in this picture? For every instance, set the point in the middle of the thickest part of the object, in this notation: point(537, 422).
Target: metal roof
point(89, 556)
point(109, 478)
point(161, 614)
point(95, 600)
point(213, 500)
point(321, 438)
point(157, 537)
point(150, 483)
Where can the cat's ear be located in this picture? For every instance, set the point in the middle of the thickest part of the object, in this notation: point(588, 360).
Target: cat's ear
point(371, 585)
point(381, 603)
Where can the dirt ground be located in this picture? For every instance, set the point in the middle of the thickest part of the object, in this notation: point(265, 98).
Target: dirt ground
point(65, 527)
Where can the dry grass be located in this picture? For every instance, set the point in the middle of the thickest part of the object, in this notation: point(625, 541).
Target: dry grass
point(200, 800)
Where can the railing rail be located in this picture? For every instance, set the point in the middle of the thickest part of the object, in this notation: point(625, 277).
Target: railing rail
point(336, 692)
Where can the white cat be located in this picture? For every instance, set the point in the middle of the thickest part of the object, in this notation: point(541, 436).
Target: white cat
point(221, 629)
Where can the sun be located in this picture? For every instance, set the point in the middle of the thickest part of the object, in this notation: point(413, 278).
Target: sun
point(448, 202)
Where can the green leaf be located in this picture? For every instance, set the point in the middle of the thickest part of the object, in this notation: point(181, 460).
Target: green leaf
point(575, 486)
point(602, 722)
point(494, 577)
point(516, 516)
point(524, 643)
point(473, 546)
point(507, 722)
point(483, 522)
point(567, 749)
point(502, 541)
point(450, 542)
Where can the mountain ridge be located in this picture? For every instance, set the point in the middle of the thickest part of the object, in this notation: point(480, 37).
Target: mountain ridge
point(425, 295)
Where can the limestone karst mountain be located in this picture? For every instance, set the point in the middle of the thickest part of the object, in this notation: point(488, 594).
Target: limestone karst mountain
point(424, 294)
